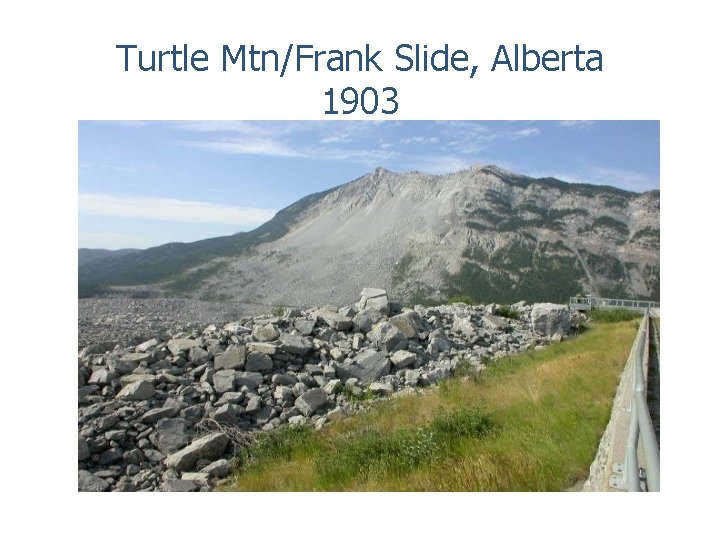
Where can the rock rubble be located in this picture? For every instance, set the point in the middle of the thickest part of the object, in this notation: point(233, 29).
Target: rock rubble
point(156, 416)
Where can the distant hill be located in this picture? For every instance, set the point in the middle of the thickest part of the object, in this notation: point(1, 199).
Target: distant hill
point(482, 232)
point(86, 255)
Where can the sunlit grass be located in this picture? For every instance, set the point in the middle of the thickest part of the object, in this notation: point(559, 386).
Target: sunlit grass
point(528, 423)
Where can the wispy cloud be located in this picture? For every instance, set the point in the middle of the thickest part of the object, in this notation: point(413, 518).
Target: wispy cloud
point(175, 210)
point(576, 124)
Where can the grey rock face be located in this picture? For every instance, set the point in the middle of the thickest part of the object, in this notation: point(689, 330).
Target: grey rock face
point(369, 366)
point(294, 344)
point(137, 391)
point(335, 320)
point(224, 380)
point(210, 447)
point(257, 361)
point(311, 401)
point(269, 332)
point(548, 319)
point(232, 358)
point(170, 434)
point(388, 337)
point(90, 482)
point(177, 346)
point(409, 323)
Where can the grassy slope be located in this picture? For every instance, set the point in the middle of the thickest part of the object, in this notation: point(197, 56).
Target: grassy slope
point(546, 410)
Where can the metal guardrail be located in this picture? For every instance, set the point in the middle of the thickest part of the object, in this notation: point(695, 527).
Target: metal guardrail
point(629, 475)
point(582, 303)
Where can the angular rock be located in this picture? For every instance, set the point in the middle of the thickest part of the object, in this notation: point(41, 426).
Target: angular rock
point(198, 356)
point(409, 323)
point(257, 361)
point(210, 447)
point(102, 377)
point(311, 401)
point(548, 319)
point(137, 391)
point(224, 380)
point(383, 389)
point(232, 358)
point(368, 366)
point(304, 326)
point(495, 323)
point(294, 344)
point(248, 378)
point(89, 482)
point(387, 337)
point(335, 320)
point(83, 450)
point(269, 332)
point(217, 469)
point(177, 346)
point(265, 348)
point(169, 435)
point(179, 486)
point(153, 415)
point(401, 359)
point(226, 414)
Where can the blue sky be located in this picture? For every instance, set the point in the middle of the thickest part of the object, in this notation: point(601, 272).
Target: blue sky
point(147, 183)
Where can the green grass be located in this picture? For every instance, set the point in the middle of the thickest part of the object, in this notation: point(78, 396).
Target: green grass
point(613, 315)
point(529, 423)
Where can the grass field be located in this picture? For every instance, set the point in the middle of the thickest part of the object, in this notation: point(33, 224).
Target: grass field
point(527, 423)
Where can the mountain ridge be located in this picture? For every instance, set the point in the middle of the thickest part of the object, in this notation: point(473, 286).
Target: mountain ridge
point(483, 232)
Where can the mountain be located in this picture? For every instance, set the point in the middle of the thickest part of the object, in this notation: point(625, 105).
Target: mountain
point(86, 255)
point(483, 232)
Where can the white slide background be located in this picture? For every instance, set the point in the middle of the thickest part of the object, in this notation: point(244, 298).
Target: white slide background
point(59, 65)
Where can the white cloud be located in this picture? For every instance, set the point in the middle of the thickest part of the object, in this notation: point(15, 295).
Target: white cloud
point(252, 146)
point(576, 123)
point(175, 210)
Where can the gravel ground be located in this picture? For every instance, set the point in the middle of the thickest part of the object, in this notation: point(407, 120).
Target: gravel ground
point(131, 321)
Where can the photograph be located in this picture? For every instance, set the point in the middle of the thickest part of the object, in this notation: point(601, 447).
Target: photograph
point(368, 305)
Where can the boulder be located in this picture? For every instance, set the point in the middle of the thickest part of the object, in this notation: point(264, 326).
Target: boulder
point(137, 391)
point(210, 447)
point(368, 366)
point(178, 485)
point(364, 320)
point(494, 322)
point(549, 319)
point(335, 320)
point(89, 482)
point(217, 469)
point(232, 358)
point(224, 380)
point(387, 336)
point(409, 323)
point(269, 332)
point(169, 435)
point(177, 346)
point(304, 326)
point(257, 361)
point(311, 401)
point(294, 344)
point(401, 359)
point(248, 378)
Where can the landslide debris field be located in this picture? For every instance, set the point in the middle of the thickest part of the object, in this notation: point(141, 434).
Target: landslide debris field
point(177, 406)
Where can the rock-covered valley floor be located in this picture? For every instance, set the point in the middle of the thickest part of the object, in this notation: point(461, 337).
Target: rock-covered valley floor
point(169, 389)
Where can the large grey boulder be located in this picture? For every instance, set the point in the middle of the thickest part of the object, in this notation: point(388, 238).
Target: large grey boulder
point(368, 366)
point(177, 346)
point(89, 482)
point(83, 450)
point(269, 332)
point(248, 378)
point(294, 344)
point(232, 358)
point(224, 380)
point(311, 401)
point(137, 391)
point(409, 323)
point(494, 322)
point(169, 435)
point(550, 319)
point(401, 359)
point(335, 320)
point(365, 319)
point(257, 361)
point(387, 336)
point(209, 447)
point(373, 299)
